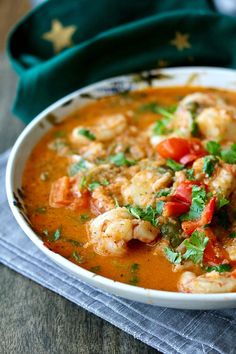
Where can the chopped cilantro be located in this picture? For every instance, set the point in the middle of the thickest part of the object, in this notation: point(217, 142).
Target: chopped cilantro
point(153, 107)
point(232, 234)
point(82, 183)
point(198, 203)
point(134, 270)
point(149, 214)
point(194, 129)
point(195, 247)
point(134, 280)
point(160, 127)
point(87, 134)
point(163, 192)
point(221, 201)
point(213, 148)
point(41, 210)
point(75, 242)
point(134, 267)
point(96, 184)
point(159, 207)
point(76, 167)
point(77, 257)
point(209, 164)
point(229, 155)
point(95, 269)
point(190, 174)
point(173, 257)
point(221, 268)
point(175, 166)
point(120, 160)
point(172, 231)
point(84, 217)
point(57, 234)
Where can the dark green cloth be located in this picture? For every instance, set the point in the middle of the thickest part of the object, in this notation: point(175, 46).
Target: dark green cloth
point(112, 37)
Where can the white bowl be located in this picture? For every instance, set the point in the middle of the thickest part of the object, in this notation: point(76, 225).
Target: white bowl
point(197, 76)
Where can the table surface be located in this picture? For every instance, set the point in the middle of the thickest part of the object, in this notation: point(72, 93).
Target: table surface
point(34, 319)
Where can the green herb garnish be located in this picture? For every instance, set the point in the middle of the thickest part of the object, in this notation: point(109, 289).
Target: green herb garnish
point(175, 166)
point(221, 201)
point(163, 192)
point(229, 155)
point(232, 234)
point(84, 217)
point(134, 267)
point(76, 167)
point(41, 210)
point(148, 214)
point(195, 247)
point(194, 129)
point(190, 174)
point(221, 268)
point(209, 164)
point(213, 148)
point(96, 184)
point(87, 134)
point(95, 269)
point(199, 198)
point(173, 257)
point(57, 234)
point(120, 160)
point(77, 257)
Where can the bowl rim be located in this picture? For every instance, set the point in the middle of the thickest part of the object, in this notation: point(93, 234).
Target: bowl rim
point(95, 279)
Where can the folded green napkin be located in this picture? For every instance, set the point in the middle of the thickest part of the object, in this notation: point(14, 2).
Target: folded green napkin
point(63, 45)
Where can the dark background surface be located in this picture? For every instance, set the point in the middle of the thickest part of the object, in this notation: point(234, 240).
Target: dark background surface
point(32, 318)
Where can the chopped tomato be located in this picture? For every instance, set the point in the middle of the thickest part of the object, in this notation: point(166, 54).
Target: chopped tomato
point(175, 208)
point(184, 191)
point(214, 253)
point(173, 148)
point(190, 226)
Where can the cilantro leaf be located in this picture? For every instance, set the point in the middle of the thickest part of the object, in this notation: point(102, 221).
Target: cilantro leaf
point(232, 234)
point(120, 160)
point(199, 198)
point(172, 232)
point(194, 129)
point(160, 127)
point(209, 164)
point(195, 247)
point(190, 174)
point(76, 167)
point(229, 155)
point(148, 214)
point(175, 166)
point(77, 257)
point(87, 134)
point(56, 235)
point(173, 257)
point(213, 148)
point(163, 192)
point(95, 269)
point(221, 268)
point(221, 201)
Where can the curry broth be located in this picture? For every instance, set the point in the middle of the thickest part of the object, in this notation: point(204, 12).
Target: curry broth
point(44, 166)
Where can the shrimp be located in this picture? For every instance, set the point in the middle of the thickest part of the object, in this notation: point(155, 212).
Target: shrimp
point(80, 139)
point(143, 186)
point(208, 283)
point(110, 232)
point(222, 180)
point(108, 127)
point(217, 123)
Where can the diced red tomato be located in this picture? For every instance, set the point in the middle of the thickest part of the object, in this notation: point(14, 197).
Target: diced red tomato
point(190, 226)
point(214, 253)
point(173, 148)
point(175, 208)
point(184, 191)
point(181, 150)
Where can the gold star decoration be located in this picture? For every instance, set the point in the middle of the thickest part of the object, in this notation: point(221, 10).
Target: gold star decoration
point(162, 63)
point(59, 36)
point(181, 41)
